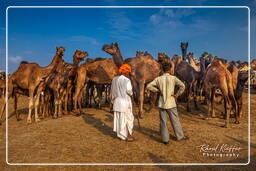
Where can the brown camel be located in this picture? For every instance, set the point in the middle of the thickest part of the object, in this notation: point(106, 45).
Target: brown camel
point(218, 76)
point(77, 58)
point(30, 75)
point(163, 58)
point(100, 72)
point(144, 69)
point(60, 82)
point(190, 58)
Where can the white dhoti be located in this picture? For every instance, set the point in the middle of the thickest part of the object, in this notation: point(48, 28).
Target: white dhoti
point(121, 90)
point(123, 124)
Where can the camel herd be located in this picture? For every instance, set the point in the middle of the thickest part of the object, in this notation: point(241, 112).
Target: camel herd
point(62, 87)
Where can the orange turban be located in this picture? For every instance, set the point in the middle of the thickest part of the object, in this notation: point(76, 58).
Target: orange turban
point(125, 67)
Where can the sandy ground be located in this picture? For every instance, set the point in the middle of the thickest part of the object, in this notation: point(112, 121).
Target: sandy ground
point(89, 139)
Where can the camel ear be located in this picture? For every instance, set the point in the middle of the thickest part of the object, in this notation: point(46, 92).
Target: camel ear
point(116, 44)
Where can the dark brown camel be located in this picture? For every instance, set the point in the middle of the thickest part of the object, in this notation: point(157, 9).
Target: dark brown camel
point(184, 47)
point(144, 69)
point(163, 58)
point(100, 72)
point(61, 81)
point(77, 58)
point(218, 76)
point(30, 75)
point(185, 72)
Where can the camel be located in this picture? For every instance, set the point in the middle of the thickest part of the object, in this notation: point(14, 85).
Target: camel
point(253, 64)
point(60, 82)
point(29, 76)
point(100, 72)
point(185, 72)
point(163, 58)
point(144, 69)
point(77, 58)
point(218, 76)
point(184, 47)
point(190, 58)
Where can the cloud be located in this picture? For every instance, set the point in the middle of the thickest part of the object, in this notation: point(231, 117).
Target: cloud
point(122, 27)
point(15, 59)
point(84, 39)
point(170, 16)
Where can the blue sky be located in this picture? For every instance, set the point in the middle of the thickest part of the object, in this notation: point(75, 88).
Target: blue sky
point(35, 32)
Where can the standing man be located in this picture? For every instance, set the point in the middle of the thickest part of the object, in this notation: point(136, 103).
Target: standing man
point(165, 85)
point(121, 92)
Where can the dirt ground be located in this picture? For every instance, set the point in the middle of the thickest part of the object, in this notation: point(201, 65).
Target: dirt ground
point(89, 139)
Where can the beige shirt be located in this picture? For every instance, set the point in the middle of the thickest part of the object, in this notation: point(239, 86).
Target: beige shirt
point(165, 84)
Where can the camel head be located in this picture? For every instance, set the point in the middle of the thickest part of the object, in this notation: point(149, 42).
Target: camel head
point(139, 53)
point(79, 55)
point(190, 56)
point(184, 45)
point(162, 57)
point(60, 51)
point(111, 49)
point(253, 64)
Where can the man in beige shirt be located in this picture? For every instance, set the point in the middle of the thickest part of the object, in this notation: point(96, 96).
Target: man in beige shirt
point(165, 85)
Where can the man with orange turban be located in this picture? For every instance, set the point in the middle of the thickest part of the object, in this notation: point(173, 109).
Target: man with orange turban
point(121, 92)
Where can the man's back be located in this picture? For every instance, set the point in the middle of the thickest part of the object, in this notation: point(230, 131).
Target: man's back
point(165, 84)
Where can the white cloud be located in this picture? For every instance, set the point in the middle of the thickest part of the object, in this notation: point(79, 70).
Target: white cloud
point(122, 26)
point(15, 59)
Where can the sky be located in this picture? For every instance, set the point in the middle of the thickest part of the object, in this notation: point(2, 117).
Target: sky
point(34, 33)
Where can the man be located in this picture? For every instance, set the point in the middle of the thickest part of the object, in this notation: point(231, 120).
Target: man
point(165, 85)
point(121, 92)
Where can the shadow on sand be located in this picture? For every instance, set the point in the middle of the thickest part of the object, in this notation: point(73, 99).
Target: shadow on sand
point(98, 124)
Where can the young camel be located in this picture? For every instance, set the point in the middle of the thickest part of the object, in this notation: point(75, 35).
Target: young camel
point(29, 76)
point(218, 76)
point(77, 58)
point(61, 80)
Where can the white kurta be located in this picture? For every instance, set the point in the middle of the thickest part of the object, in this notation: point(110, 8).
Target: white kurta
point(121, 90)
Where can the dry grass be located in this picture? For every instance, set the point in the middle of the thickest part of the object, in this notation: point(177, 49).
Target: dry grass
point(90, 139)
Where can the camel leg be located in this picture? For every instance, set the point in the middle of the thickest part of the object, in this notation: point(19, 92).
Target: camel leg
point(141, 90)
point(3, 109)
point(65, 99)
point(239, 105)
point(213, 102)
point(15, 107)
point(227, 112)
point(195, 95)
point(37, 102)
point(76, 96)
point(56, 97)
point(30, 107)
point(60, 108)
point(189, 91)
point(235, 107)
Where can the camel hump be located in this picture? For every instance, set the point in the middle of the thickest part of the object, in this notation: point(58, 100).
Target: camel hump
point(23, 62)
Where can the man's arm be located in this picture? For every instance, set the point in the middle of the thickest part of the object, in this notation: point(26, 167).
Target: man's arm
point(181, 86)
point(152, 86)
point(112, 92)
point(129, 88)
